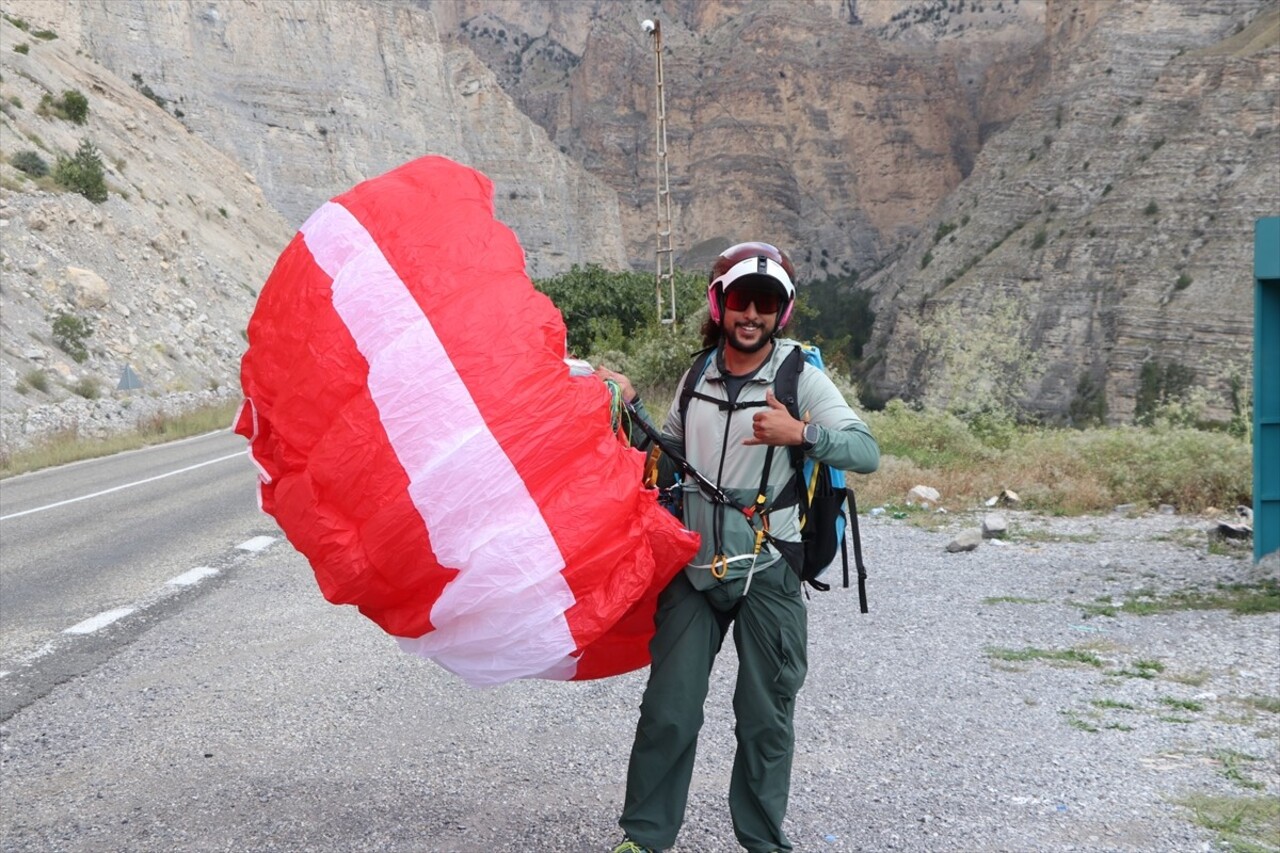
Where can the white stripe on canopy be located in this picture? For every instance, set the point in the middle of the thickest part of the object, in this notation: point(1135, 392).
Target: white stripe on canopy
point(502, 615)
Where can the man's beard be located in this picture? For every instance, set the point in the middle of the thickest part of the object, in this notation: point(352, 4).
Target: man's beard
point(731, 338)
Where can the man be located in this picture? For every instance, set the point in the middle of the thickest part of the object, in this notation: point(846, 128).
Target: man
point(738, 577)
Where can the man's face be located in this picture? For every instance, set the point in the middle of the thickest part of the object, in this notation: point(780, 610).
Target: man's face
point(750, 317)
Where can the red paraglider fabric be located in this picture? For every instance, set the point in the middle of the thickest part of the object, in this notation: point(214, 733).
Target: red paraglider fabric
point(419, 439)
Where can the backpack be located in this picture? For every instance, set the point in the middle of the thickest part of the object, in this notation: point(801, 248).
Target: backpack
point(821, 490)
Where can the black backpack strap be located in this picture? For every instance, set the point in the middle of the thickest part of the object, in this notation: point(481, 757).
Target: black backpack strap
point(699, 366)
point(857, 554)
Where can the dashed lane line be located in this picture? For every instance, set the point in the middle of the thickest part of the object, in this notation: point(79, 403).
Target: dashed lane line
point(102, 620)
point(192, 577)
point(189, 578)
point(256, 544)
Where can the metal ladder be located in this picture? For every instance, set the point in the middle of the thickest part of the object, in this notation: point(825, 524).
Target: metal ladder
point(665, 281)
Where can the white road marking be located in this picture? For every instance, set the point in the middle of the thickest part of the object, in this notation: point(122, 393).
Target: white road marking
point(102, 620)
point(257, 543)
point(192, 577)
point(238, 455)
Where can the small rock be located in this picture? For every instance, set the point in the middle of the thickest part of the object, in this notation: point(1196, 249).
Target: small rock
point(994, 526)
point(924, 493)
point(968, 540)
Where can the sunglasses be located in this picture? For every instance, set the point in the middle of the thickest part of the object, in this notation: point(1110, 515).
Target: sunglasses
point(767, 302)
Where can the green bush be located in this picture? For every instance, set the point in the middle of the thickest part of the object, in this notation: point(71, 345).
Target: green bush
point(75, 105)
point(930, 438)
point(72, 106)
point(30, 162)
point(69, 334)
point(1160, 385)
point(83, 173)
point(21, 47)
point(602, 309)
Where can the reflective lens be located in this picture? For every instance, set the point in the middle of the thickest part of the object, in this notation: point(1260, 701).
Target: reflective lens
point(738, 298)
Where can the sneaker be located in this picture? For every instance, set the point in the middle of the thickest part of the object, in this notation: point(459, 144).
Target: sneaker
point(629, 846)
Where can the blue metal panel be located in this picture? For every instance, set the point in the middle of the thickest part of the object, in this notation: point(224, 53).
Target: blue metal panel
point(1266, 387)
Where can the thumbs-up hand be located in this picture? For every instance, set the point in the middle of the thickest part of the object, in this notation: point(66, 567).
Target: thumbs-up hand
point(774, 424)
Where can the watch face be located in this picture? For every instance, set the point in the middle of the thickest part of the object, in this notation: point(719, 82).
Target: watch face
point(811, 434)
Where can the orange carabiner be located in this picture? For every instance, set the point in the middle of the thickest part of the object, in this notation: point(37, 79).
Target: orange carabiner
point(719, 566)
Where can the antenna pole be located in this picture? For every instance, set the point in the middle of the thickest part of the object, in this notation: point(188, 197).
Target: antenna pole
point(665, 281)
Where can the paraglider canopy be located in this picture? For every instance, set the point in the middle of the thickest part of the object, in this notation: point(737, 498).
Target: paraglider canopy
point(419, 438)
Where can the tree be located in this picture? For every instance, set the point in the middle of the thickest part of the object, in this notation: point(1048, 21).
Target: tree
point(83, 173)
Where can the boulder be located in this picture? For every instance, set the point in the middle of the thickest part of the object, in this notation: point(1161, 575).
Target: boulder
point(968, 540)
point(924, 494)
point(994, 526)
point(88, 289)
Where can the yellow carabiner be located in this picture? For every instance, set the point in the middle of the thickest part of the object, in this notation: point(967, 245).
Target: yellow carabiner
point(719, 566)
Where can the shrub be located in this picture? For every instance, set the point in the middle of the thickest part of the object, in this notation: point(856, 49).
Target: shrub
point(1183, 282)
point(75, 105)
point(926, 260)
point(1088, 406)
point(69, 334)
point(37, 379)
point(1151, 209)
point(1160, 384)
point(21, 47)
point(83, 173)
point(87, 387)
point(72, 106)
point(1038, 241)
point(30, 162)
point(592, 299)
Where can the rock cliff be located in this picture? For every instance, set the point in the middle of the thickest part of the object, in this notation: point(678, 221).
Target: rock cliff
point(1115, 215)
point(1076, 179)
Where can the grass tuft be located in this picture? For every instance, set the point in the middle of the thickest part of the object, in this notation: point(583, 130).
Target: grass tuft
point(1031, 653)
point(1250, 824)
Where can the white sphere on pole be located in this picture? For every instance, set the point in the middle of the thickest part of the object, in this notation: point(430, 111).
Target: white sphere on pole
point(647, 25)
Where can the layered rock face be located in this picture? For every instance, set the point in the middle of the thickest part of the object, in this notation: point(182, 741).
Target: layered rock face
point(1076, 179)
point(1116, 215)
point(312, 97)
point(833, 128)
point(221, 126)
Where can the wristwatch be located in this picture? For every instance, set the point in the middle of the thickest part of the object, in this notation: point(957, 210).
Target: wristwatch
point(811, 435)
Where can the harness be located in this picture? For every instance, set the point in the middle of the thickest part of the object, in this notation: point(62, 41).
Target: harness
point(790, 493)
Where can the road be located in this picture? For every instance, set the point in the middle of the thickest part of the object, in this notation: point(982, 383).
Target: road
point(102, 539)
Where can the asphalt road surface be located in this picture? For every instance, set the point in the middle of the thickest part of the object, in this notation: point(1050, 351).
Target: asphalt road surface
point(119, 538)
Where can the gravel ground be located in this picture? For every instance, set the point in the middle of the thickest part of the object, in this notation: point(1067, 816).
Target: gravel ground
point(262, 718)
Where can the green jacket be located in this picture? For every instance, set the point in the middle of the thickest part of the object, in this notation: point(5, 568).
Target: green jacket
point(711, 440)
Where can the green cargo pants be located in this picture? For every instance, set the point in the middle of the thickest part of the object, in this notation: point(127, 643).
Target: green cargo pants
point(770, 631)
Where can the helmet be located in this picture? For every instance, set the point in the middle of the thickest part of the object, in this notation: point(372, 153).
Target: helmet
point(751, 259)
